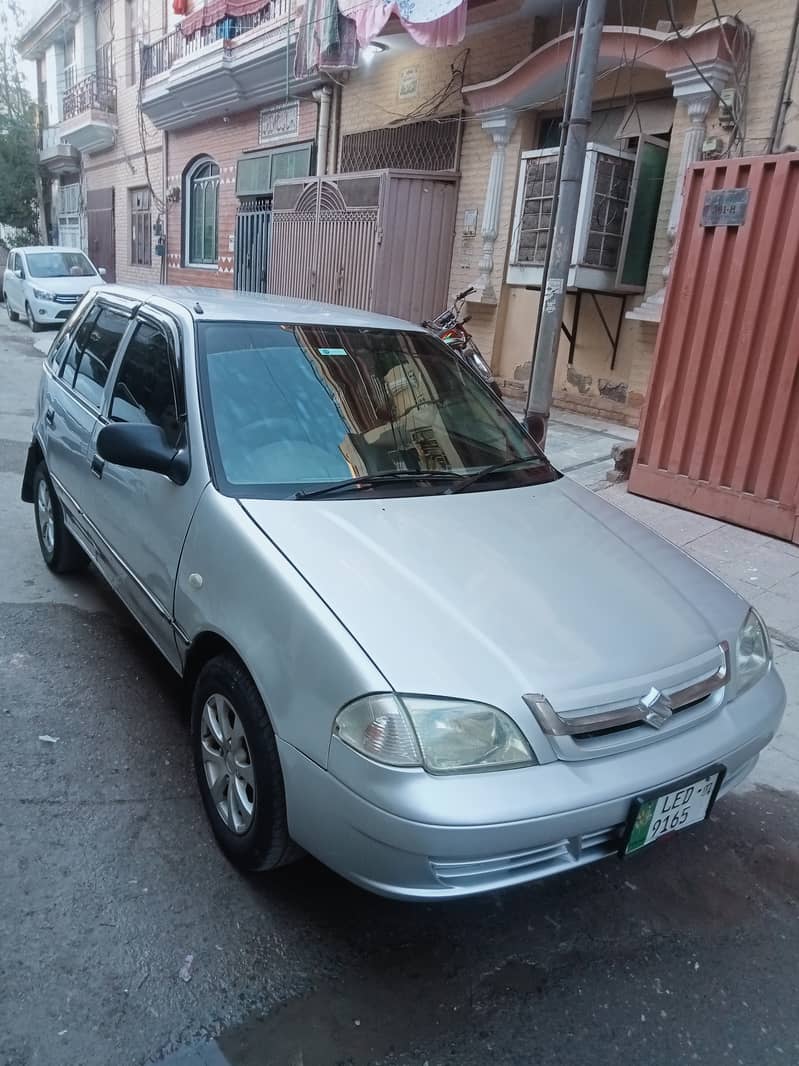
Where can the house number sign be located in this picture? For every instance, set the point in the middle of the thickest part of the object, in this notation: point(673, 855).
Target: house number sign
point(725, 207)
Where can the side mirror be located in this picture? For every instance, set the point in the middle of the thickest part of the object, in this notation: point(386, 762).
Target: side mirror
point(19, 274)
point(102, 271)
point(142, 447)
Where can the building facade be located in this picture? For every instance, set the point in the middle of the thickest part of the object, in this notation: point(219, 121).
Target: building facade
point(167, 132)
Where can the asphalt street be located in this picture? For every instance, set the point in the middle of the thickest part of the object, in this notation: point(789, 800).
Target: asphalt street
point(126, 938)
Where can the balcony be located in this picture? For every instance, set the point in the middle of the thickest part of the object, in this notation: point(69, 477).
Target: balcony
point(90, 114)
point(230, 65)
point(55, 155)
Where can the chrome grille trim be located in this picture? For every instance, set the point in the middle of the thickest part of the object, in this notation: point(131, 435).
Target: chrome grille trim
point(557, 725)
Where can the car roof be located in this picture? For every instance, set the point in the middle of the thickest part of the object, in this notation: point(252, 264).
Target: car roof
point(227, 305)
point(46, 248)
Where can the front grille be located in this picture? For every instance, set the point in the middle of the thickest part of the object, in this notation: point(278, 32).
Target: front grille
point(566, 854)
point(63, 299)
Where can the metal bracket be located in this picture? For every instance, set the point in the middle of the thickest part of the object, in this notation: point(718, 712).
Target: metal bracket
point(612, 335)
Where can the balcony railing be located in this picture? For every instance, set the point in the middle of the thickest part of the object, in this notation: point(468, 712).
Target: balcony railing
point(162, 54)
point(93, 93)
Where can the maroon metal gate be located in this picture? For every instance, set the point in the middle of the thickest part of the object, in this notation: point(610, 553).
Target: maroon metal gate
point(100, 230)
point(720, 433)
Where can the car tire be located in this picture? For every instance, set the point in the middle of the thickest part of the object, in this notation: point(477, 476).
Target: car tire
point(238, 767)
point(12, 315)
point(60, 551)
point(33, 325)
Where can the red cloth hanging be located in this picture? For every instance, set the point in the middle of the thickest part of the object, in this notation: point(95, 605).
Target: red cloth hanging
point(179, 7)
point(216, 10)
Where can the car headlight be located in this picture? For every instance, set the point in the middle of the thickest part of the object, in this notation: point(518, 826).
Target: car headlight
point(43, 294)
point(752, 651)
point(443, 736)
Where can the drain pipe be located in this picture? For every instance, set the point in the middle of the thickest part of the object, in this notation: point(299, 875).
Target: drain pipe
point(788, 76)
point(332, 144)
point(322, 97)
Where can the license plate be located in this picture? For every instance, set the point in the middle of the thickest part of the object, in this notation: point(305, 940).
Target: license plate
point(686, 803)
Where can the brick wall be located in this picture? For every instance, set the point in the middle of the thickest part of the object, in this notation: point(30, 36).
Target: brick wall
point(371, 101)
point(224, 141)
point(136, 152)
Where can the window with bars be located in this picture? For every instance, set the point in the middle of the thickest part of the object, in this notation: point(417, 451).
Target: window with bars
point(141, 252)
point(608, 199)
point(539, 192)
point(608, 211)
point(433, 144)
point(202, 202)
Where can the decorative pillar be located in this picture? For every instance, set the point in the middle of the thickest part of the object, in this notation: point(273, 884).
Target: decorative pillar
point(696, 88)
point(499, 126)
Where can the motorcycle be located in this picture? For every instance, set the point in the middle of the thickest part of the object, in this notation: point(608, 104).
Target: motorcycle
point(450, 327)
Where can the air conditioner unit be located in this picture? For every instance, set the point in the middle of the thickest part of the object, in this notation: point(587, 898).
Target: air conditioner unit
point(619, 202)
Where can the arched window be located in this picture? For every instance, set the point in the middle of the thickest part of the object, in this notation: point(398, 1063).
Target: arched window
point(202, 203)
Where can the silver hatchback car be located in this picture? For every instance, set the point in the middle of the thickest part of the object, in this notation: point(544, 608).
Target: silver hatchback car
point(411, 648)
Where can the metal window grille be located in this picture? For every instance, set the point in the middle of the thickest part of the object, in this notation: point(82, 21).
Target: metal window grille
point(140, 228)
point(203, 209)
point(608, 211)
point(609, 199)
point(539, 192)
point(433, 144)
point(69, 199)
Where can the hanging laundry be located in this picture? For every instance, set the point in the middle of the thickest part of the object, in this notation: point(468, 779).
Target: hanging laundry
point(431, 23)
point(217, 10)
point(326, 39)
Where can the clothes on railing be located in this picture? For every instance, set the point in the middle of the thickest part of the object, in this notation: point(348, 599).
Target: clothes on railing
point(325, 39)
point(431, 23)
point(217, 10)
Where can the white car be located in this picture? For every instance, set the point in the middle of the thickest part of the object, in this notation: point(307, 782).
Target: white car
point(43, 284)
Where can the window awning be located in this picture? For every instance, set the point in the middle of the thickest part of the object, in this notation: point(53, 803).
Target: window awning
point(653, 117)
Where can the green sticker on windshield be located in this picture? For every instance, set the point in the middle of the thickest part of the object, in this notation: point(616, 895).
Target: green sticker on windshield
point(332, 351)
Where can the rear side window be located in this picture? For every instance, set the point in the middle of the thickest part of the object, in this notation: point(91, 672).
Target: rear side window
point(144, 390)
point(92, 353)
point(12, 261)
point(65, 335)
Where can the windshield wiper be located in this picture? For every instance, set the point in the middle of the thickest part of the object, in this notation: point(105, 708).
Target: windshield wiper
point(366, 480)
point(487, 471)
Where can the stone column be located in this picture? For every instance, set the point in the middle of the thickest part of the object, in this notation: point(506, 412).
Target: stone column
point(499, 126)
point(696, 91)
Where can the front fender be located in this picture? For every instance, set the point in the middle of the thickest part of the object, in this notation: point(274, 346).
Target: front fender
point(304, 661)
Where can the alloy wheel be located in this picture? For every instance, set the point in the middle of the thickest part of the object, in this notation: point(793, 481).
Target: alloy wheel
point(227, 763)
point(44, 514)
point(29, 316)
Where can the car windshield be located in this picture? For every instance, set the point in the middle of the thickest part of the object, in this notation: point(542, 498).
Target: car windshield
point(293, 408)
point(59, 265)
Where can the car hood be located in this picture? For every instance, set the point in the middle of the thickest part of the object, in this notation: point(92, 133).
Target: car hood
point(68, 286)
point(536, 589)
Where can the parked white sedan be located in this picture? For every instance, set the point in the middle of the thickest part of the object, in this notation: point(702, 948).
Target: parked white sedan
point(43, 284)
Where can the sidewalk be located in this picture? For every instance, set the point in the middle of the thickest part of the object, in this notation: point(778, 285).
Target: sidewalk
point(579, 445)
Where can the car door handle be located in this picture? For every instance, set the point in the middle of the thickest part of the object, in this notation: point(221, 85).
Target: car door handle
point(97, 466)
point(49, 416)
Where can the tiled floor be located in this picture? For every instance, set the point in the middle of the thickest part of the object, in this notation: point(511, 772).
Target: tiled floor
point(764, 570)
point(580, 446)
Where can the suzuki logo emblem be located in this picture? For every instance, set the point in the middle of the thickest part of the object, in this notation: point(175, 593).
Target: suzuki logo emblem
point(655, 708)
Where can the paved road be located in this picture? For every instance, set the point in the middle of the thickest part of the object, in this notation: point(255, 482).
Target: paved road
point(109, 880)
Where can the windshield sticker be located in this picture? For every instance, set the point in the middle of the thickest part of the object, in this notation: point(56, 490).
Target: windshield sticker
point(332, 351)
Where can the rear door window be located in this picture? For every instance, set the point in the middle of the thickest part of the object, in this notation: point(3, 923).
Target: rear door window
point(92, 352)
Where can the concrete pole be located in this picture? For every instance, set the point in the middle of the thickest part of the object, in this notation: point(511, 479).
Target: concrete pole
point(553, 290)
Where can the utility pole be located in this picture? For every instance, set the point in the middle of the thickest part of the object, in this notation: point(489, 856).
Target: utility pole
point(553, 289)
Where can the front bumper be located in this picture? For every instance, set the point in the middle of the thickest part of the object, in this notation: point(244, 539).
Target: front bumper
point(50, 313)
point(423, 837)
